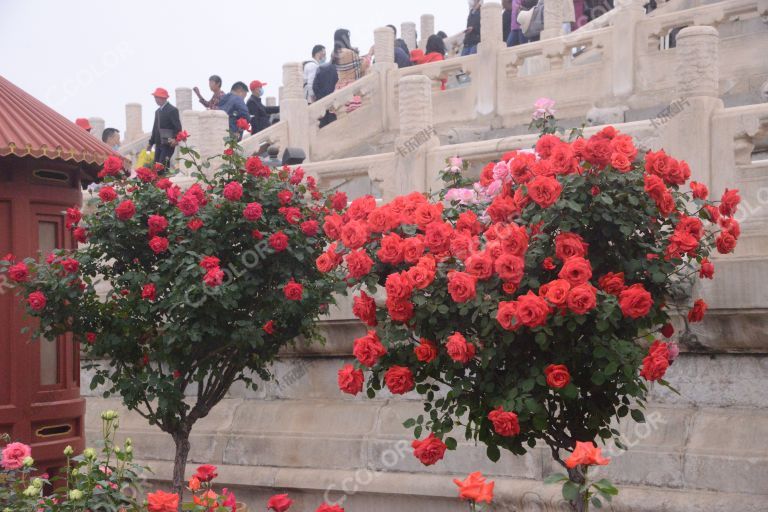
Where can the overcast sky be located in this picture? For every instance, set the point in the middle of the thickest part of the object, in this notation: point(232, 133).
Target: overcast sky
point(89, 58)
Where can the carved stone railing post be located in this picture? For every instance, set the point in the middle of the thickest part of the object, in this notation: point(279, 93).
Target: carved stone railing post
point(427, 29)
point(384, 42)
point(553, 19)
point(294, 109)
point(623, 46)
point(688, 131)
point(97, 126)
point(417, 135)
point(206, 129)
point(408, 33)
point(133, 128)
point(487, 51)
point(183, 98)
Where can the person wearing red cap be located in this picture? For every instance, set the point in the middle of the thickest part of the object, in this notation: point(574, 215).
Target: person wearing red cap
point(259, 112)
point(165, 128)
point(84, 124)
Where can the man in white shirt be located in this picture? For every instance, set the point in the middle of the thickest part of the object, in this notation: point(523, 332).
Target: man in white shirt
point(310, 70)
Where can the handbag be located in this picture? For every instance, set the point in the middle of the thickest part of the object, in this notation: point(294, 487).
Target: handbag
point(536, 24)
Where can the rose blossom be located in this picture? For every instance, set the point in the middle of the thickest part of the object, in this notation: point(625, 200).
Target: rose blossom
point(461, 286)
point(459, 349)
point(543, 107)
point(278, 241)
point(37, 301)
point(158, 244)
point(125, 210)
point(233, 191)
point(350, 380)
point(557, 376)
point(696, 314)
point(279, 503)
point(364, 308)
point(19, 272)
point(504, 423)
point(13, 456)
point(368, 349)
point(429, 450)
point(426, 351)
point(214, 277)
point(293, 290)
point(635, 301)
point(399, 380)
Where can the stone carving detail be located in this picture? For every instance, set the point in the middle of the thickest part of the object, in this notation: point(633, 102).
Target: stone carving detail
point(384, 45)
point(697, 57)
point(133, 128)
point(415, 104)
point(293, 81)
point(408, 33)
point(183, 98)
point(427, 28)
point(612, 115)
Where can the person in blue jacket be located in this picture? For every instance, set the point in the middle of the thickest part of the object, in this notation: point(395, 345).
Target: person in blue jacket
point(233, 103)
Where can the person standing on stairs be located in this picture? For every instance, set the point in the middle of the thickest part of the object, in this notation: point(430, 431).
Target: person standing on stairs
point(165, 128)
point(214, 82)
point(259, 112)
point(472, 32)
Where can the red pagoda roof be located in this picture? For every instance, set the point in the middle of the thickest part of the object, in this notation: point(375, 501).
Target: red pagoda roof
point(28, 127)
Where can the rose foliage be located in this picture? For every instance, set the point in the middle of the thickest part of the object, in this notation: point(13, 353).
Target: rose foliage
point(529, 306)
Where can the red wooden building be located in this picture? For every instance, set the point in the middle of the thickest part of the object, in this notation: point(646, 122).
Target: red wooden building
point(44, 160)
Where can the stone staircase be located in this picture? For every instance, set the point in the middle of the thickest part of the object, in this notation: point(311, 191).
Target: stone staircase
point(704, 450)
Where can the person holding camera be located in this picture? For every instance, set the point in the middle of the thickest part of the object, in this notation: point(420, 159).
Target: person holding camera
point(165, 128)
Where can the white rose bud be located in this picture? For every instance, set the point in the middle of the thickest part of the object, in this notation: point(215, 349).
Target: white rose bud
point(31, 492)
point(89, 453)
point(28, 462)
point(109, 415)
point(69, 451)
point(75, 495)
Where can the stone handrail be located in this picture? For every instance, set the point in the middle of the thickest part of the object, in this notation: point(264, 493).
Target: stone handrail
point(276, 134)
point(335, 102)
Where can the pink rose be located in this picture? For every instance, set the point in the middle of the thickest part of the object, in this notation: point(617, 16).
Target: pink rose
point(14, 455)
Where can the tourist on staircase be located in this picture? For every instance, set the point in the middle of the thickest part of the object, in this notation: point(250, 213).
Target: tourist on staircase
point(472, 33)
point(435, 52)
point(349, 64)
point(310, 69)
point(111, 137)
point(259, 112)
point(166, 126)
point(506, 19)
point(214, 82)
point(516, 36)
point(233, 103)
point(402, 53)
point(325, 83)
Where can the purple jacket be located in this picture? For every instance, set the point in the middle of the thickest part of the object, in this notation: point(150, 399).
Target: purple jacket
point(516, 4)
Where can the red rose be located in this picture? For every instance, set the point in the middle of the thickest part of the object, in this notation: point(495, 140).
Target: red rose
point(621, 162)
point(502, 209)
point(437, 236)
point(392, 249)
point(233, 191)
point(510, 268)
point(19, 272)
point(209, 262)
point(479, 265)
point(195, 224)
point(654, 367)
point(557, 376)
point(214, 277)
point(462, 245)
point(412, 250)
point(623, 144)
point(146, 175)
point(582, 299)
point(350, 380)
point(548, 263)
point(80, 235)
point(467, 221)
point(576, 271)
point(696, 314)
point(707, 269)
point(504, 423)
point(544, 190)
point(158, 244)
point(269, 327)
point(279, 503)
point(612, 283)
point(149, 292)
point(253, 212)
point(125, 210)
point(291, 214)
point(329, 508)
point(398, 286)
point(654, 187)
point(729, 201)
point(278, 241)
point(364, 308)
point(163, 183)
point(293, 290)
point(400, 310)
point(725, 242)
point(255, 167)
point(325, 263)
point(368, 349)
point(359, 264)
point(732, 226)
point(635, 301)
point(461, 286)
point(285, 197)
point(339, 201)
point(430, 450)
point(598, 151)
point(161, 501)
point(399, 380)
point(556, 292)
point(700, 190)
point(107, 194)
point(546, 144)
point(112, 166)
point(310, 227)
point(428, 213)
point(206, 472)
point(70, 265)
point(568, 245)
point(459, 349)
point(37, 301)
point(354, 234)
point(421, 275)
point(532, 310)
point(507, 314)
point(677, 173)
point(513, 238)
point(426, 351)
point(157, 224)
point(243, 124)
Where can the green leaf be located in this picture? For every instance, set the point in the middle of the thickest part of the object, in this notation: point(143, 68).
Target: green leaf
point(555, 478)
point(450, 443)
point(493, 452)
point(596, 502)
point(409, 423)
point(637, 415)
point(570, 491)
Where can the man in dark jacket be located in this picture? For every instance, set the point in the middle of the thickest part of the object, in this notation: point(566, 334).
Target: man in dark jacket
point(472, 34)
point(259, 112)
point(165, 128)
point(234, 105)
point(326, 79)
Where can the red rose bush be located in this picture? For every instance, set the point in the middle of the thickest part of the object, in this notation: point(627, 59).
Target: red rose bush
point(200, 286)
point(534, 304)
